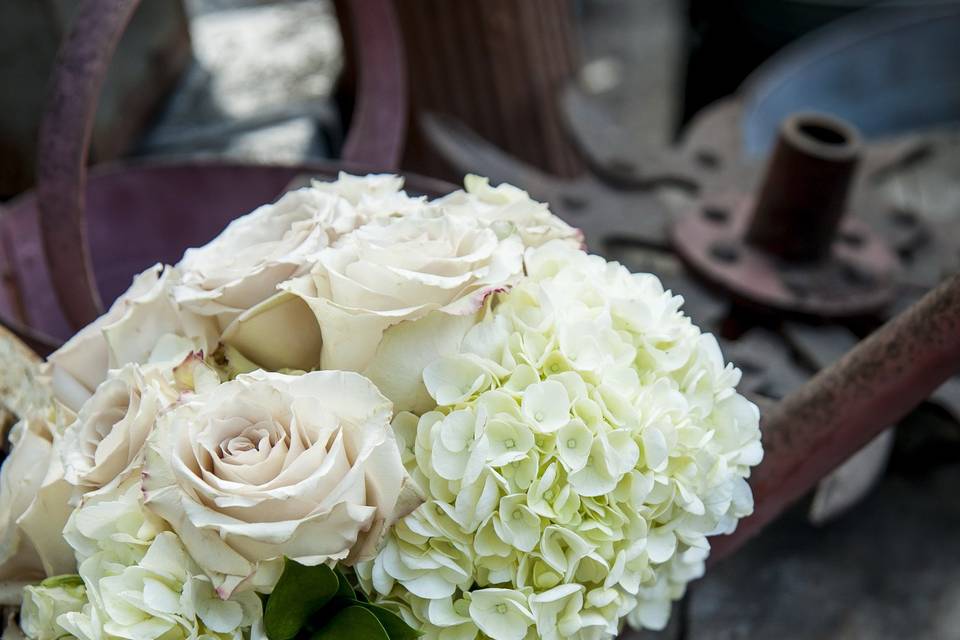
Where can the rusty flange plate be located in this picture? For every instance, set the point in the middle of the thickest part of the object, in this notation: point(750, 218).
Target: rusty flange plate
point(856, 278)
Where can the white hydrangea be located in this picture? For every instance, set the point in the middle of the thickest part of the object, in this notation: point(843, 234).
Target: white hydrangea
point(587, 440)
point(140, 582)
point(44, 603)
point(373, 196)
point(508, 206)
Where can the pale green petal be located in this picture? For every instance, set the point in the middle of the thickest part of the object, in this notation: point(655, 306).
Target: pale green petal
point(452, 380)
point(547, 406)
point(574, 442)
point(517, 524)
point(502, 614)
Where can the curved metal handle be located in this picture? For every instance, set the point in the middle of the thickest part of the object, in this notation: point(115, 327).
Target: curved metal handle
point(376, 137)
point(378, 128)
point(65, 131)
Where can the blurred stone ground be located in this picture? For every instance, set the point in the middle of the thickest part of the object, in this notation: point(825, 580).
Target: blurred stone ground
point(887, 569)
point(633, 53)
point(259, 86)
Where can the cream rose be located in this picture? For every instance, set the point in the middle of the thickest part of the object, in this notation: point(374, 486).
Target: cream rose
point(33, 510)
point(144, 318)
point(111, 428)
point(272, 465)
point(385, 273)
point(244, 264)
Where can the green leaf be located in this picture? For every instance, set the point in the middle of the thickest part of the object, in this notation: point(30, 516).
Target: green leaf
point(344, 590)
point(355, 623)
point(394, 625)
point(300, 593)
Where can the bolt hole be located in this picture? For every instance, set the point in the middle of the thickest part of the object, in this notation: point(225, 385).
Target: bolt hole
point(823, 133)
point(716, 214)
point(852, 239)
point(904, 218)
point(573, 202)
point(621, 166)
point(707, 159)
point(749, 368)
point(768, 390)
point(855, 275)
point(797, 288)
point(724, 252)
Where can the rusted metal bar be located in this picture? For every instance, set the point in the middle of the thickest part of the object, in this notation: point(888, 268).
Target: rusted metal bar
point(378, 128)
point(804, 193)
point(65, 132)
point(843, 407)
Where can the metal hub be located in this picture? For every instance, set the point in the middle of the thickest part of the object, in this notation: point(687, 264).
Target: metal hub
point(856, 277)
point(793, 248)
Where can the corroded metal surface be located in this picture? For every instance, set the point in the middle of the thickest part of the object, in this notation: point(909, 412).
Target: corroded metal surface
point(379, 123)
point(814, 429)
point(64, 144)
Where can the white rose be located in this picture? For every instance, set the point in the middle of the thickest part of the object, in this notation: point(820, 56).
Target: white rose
point(129, 332)
point(33, 507)
point(44, 603)
point(385, 273)
point(272, 465)
point(112, 426)
point(244, 264)
point(506, 205)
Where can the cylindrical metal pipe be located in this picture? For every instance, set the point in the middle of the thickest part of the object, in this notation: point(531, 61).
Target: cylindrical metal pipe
point(804, 193)
point(843, 407)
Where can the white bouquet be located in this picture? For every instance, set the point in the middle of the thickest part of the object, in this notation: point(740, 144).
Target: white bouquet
point(360, 412)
